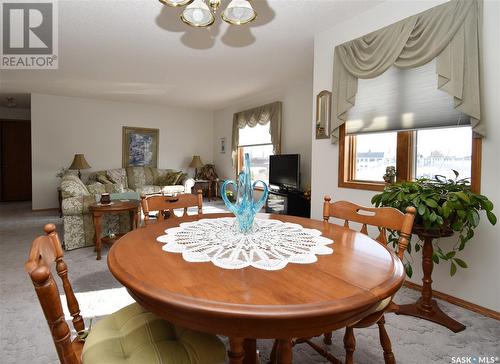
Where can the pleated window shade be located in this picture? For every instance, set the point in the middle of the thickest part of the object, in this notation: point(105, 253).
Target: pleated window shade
point(403, 99)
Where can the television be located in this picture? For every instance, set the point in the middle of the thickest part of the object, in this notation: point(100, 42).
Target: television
point(284, 171)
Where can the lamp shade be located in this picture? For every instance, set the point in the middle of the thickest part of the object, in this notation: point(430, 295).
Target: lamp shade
point(79, 162)
point(196, 162)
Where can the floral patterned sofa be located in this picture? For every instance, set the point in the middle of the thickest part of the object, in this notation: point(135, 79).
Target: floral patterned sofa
point(122, 183)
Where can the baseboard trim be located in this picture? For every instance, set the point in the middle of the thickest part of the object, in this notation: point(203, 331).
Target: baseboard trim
point(50, 209)
point(457, 301)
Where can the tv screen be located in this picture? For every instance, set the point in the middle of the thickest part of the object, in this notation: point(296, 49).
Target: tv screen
point(284, 170)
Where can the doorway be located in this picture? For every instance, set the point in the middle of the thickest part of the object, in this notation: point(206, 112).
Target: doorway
point(15, 160)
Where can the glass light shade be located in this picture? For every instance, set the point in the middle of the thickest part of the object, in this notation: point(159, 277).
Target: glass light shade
point(175, 3)
point(197, 14)
point(239, 12)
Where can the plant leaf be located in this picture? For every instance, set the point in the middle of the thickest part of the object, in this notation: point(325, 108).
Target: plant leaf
point(421, 209)
point(486, 204)
point(453, 269)
point(460, 262)
point(456, 173)
point(431, 203)
point(491, 217)
point(461, 195)
point(409, 270)
point(450, 255)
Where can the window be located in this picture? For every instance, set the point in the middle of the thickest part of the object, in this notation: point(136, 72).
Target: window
point(418, 153)
point(440, 151)
point(373, 153)
point(401, 119)
point(257, 143)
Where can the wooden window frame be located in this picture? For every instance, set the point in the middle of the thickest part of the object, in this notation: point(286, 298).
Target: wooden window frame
point(239, 160)
point(405, 158)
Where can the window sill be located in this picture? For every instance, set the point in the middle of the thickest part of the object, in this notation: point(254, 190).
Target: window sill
point(361, 185)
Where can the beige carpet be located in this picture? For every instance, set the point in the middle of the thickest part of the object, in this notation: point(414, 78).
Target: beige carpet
point(24, 336)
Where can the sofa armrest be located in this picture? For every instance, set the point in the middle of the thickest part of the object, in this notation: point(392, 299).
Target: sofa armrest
point(188, 185)
point(73, 206)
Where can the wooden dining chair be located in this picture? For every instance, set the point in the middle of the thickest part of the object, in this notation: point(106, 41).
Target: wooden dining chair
point(384, 219)
point(131, 335)
point(165, 205)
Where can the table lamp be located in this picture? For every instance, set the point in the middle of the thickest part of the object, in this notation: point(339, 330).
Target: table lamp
point(79, 163)
point(196, 163)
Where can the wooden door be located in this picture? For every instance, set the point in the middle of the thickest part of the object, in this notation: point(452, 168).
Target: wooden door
point(15, 159)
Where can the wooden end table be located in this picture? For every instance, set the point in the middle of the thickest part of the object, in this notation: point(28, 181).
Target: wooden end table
point(115, 207)
point(205, 185)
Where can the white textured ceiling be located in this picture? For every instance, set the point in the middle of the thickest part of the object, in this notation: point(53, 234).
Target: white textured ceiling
point(138, 50)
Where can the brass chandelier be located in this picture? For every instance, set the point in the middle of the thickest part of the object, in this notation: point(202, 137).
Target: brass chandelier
point(200, 14)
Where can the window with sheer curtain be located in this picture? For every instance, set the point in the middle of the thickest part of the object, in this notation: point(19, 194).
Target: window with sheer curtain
point(256, 141)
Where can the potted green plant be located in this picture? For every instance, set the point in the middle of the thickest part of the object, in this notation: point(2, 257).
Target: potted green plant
point(445, 207)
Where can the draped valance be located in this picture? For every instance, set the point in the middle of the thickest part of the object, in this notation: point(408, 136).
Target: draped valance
point(270, 113)
point(448, 32)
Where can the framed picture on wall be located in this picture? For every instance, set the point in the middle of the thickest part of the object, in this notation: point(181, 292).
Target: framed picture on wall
point(140, 147)
point(223, 145)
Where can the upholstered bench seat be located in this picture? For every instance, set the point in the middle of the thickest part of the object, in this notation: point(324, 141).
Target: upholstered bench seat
point(134, 336)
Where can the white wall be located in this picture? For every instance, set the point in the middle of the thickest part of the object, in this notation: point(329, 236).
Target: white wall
point(14, 113)
point(64, 126)
point(478, 283)
point(295, 136)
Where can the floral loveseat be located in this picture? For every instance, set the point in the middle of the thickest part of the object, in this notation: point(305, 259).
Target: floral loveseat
point(125, 183)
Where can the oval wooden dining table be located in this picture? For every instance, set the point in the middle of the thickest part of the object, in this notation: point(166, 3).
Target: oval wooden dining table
point(300, 300)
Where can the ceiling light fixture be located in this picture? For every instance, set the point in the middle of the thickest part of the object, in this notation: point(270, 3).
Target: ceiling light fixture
point(200, 14)
point(175, 3)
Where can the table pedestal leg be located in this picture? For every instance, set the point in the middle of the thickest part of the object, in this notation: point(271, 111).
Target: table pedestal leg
point(427, 308)
point(236, 351)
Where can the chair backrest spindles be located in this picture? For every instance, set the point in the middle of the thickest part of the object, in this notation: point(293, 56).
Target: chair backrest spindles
point(62, 271)
point(164, 204)
point(384, 218)
point(45, 251)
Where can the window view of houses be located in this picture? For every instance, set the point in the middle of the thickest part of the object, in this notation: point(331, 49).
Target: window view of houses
point(374, 152)
point(438, 151)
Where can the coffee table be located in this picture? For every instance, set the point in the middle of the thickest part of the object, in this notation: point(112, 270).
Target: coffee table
point(115, 207)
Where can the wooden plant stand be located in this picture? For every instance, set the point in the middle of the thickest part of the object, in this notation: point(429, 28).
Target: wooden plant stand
point(426, 307)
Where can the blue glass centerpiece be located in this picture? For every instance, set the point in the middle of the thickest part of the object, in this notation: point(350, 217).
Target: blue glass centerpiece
point(244, 207)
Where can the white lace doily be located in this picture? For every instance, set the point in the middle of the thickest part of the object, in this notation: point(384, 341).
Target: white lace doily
point(271, 246)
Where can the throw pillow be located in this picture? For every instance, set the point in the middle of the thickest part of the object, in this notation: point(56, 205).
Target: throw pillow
point(103, 179)
point(159, 175)
point(114, 188)
point(117, 175)
point(169, 179)
point(96, 188)
point(180, 178)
